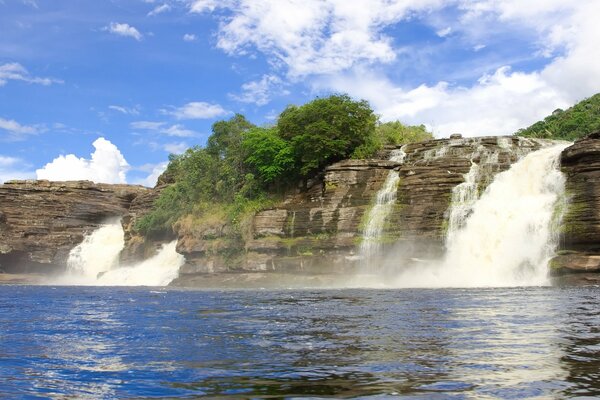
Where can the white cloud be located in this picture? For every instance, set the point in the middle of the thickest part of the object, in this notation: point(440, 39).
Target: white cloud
point(106, 165)
point(155, 170)
point(197, 110)
point(176, 130)
point(312, 36)
point(14, 168)
point(16, 131)
point(444, 32)
point(147, 125)
point(176, 148)
point(159, 10)
point(123, 30)
point(190, 37)
point(126, 110)
point(504, 100)
point(15, 71)
point(259, 92)
point(200, 6)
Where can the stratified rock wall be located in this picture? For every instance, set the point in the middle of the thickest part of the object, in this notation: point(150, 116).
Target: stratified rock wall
point(320, 230)
point(580, 227)
point(41, 221)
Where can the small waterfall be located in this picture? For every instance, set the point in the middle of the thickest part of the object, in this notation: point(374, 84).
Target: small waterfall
point(98, 253)
point(510, 235)
point(95, 262)
point(384, 203)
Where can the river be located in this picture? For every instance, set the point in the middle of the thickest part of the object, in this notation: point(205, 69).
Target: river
point(139, 342)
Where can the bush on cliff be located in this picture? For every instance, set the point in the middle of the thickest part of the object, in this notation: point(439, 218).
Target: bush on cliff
point(575, 122)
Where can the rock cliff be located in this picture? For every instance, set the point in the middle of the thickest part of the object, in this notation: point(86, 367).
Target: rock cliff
point(316, 230)
point(320, 229)
point(580, 228)
point(41, 221)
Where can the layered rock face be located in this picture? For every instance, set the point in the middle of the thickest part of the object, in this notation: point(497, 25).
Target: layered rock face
point(41, 221)
point(580, 227)
point(320, 230)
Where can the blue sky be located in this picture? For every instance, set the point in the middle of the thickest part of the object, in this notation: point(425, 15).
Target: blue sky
point(105, 90)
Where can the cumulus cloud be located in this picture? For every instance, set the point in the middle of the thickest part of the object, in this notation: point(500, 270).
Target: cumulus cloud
point(260, 92)
point(312, 36)
point(123, 30)
point(105, 165)
point(190, 37)
point(336, 45)
point(505, 99)
point(15, 71)
point(197, 110)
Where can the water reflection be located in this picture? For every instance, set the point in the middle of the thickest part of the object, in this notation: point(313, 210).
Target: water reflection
point(490, 343)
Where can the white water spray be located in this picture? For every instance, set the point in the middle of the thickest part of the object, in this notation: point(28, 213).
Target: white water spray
point(96, 262)
point(384, 202)
point(510, 235)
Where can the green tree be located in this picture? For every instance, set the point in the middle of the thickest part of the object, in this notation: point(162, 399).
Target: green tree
point(396, 133)
point(269, 154)
point(326, 130)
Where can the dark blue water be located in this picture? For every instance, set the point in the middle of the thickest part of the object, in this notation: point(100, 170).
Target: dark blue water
point(82, 342)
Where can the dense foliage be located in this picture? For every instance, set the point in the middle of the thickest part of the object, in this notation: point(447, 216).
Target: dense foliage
point(581, 119)
point(244, 168)
point(326, 130)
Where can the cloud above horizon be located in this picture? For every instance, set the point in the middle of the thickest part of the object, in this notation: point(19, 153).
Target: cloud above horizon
point(343, 47)
point(105, 165)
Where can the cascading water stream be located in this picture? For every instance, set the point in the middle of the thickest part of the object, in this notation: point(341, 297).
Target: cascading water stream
point(96, 262)
point(384, 202)
point(510, 234)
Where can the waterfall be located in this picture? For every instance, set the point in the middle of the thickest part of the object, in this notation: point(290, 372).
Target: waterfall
point(384, 203)
point(96, 262)
point(510, 234)
point(98, 253)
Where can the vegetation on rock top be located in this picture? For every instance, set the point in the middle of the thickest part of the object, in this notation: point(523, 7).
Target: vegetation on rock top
point(570, 124)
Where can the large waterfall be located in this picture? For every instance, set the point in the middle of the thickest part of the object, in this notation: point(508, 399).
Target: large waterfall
point(384, 203)
point(96, 262)
point(510, 234)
